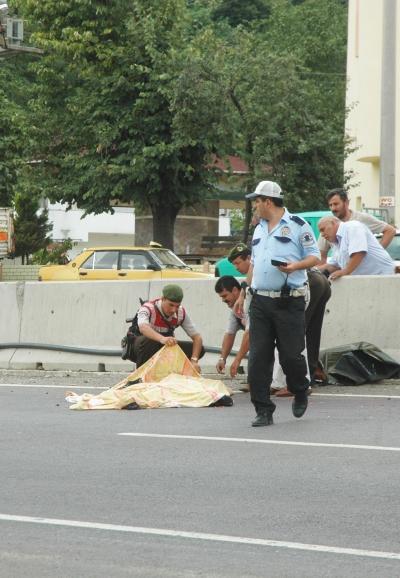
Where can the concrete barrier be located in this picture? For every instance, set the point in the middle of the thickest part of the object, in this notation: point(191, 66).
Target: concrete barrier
point(92, 315)
point(82, 314)
point(11, 300)
point(364, 308)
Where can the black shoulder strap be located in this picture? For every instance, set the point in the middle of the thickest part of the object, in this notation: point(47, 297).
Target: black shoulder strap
point(297, 220)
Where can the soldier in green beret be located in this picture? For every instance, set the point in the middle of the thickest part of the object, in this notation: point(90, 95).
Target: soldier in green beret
point(157, 321)
point(240, 256)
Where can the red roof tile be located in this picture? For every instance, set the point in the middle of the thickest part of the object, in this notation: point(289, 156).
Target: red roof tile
point(233, 164)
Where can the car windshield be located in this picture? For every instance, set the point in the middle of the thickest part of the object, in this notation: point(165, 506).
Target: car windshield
point(167, 258)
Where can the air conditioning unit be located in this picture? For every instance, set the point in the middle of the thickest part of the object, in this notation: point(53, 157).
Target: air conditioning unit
point(15, 29)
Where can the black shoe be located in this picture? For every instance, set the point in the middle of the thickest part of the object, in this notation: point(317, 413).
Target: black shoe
point(225, 400)
point(299, 406)
point(263, 418)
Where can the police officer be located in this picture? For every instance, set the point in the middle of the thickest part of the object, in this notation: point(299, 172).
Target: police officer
point(320, 293)
point(283, 247)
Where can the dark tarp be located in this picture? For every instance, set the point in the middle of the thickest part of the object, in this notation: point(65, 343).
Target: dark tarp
point(358, 363)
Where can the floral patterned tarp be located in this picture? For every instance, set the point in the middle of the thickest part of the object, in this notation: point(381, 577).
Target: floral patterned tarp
point(167, 379)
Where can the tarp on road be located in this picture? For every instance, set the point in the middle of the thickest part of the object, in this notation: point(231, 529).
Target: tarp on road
point(167, 379)
point(358, 363)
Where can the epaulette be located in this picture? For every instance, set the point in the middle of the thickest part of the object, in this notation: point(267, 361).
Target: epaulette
point(297, 220)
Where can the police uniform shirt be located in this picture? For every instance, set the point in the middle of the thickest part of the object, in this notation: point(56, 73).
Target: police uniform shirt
point(292, 239)
point(354, 237)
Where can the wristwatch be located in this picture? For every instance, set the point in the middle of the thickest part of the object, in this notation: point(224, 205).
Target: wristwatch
point(194, 359)
point(243, 285)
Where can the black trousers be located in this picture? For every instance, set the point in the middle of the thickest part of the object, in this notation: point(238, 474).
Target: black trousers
point(270, 325)
point(144, 348)
point(320, 293)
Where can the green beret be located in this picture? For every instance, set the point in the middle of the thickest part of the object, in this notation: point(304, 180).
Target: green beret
point(173, 293)
point(237, 251)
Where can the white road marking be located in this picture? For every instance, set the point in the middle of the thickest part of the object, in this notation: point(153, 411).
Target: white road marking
point(314, 394)
point(263, 441)
point(384, 396)
point(200, 536)
point(51, 386)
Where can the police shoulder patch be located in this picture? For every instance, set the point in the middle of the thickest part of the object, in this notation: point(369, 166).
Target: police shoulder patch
point(297, 220)
point(285, 231)
point(306, 239)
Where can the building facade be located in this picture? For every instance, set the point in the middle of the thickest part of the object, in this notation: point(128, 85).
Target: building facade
point(373, 71)
point(105, 229)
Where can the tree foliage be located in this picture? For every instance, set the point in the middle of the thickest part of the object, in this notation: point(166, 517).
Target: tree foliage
point(266, 108)
point(53, 253)
point(31, 226)
point(132, 96)
point(13, 127)
point(106, 81)
point(8, 150)
point(236, 12)
point(313, 30)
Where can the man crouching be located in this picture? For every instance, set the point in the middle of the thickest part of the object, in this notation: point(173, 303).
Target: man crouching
point(157, 321)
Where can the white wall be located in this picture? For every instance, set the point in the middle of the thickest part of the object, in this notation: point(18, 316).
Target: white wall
point(71, 224)
point(101, 230)
point(224, 226)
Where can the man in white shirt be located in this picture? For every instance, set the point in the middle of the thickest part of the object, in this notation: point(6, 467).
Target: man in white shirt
point(356, 249)
point(338, 202)
point(228, 288)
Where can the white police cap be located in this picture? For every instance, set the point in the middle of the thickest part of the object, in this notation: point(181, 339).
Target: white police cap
point(266, 189)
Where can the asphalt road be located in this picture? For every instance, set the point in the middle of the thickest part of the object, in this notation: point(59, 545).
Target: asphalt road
point(202, 493)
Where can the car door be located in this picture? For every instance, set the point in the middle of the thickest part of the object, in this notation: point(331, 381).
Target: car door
point(137, 265)
point(102, 265)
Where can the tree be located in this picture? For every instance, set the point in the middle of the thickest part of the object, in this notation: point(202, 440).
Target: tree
point(132, 97)
point(13, 129)
point(103, 108)
point(313, 30)
point(31, 226)
point(201, 13)
point(53, 253)
point(236, 12)
point(8, 144)
point(282, 86)
point(262, 106)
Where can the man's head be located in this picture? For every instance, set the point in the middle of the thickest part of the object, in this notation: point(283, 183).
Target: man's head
point(328, 227)
point(171, 299)
point(228, 288)
point(239, 256)
point(338, 203)
point(267, 197)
